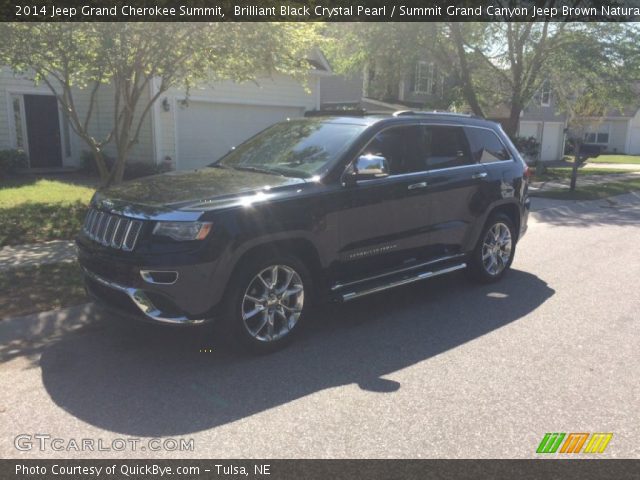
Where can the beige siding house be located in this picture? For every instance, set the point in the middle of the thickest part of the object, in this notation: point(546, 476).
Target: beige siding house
point(189, 132)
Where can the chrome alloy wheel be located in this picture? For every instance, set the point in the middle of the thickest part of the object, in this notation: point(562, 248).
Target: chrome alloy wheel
point(272, 303)
point(496, 249)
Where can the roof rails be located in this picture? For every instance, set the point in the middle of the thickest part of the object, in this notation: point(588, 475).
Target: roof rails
point(336, 112)
point(402, 113)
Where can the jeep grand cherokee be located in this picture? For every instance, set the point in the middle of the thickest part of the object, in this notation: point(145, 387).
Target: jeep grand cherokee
point(323, 208)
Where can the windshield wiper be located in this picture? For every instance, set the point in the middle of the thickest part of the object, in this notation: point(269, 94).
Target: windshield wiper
point(259, 170)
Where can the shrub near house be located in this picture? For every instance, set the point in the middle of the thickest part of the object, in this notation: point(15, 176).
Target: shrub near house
point(11, 161)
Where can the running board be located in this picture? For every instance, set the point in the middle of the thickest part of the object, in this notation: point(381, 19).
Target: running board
point(398, 283)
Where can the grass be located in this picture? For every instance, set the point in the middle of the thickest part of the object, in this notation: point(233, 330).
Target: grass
point(628, 159)
point(563, 173)
point(38, 210)
point(593, 192)
point(37, 289)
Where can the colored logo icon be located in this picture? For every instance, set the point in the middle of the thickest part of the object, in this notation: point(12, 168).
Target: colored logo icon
point(574, 442)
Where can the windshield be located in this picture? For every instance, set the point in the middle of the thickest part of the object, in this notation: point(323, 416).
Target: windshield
point(299, 148)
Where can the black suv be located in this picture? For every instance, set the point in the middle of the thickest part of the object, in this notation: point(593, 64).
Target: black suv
point(321, 208)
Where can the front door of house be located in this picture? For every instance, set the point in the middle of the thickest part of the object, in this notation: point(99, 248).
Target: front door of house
point(43, 131)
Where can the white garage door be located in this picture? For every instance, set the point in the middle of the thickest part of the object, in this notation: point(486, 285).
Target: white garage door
point(634, 141)
point(206, 130)
point(551, 142)
point(529, 129)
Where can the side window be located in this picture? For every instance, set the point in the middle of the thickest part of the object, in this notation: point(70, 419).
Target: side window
point(443, 147)
point(418, 148)
point(398, 145)
point(486, 147)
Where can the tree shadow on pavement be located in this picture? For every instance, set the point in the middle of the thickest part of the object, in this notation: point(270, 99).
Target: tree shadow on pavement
point(620, 211)
point(149, 381)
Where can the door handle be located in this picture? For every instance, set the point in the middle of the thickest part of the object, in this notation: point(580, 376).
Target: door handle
point(414, 186)
point(479, 175)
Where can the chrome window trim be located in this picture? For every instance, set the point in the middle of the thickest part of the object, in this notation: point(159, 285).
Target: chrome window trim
point(424, 172)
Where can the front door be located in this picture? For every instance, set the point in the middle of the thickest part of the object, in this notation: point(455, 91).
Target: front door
point(43, 131)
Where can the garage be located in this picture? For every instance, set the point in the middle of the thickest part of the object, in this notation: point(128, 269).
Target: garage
point(207, 130)
point(549, 134)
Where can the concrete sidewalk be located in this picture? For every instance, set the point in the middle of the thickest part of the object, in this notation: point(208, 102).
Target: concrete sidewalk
point(20, 256)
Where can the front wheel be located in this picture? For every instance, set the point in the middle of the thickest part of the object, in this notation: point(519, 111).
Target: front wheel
point(494, 252)
point(267, 303)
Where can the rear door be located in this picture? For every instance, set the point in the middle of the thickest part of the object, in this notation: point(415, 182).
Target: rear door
point(441, 194)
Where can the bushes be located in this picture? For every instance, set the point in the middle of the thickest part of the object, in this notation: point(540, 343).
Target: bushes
point(38, 222)
point(12, 160)
point(528, 147)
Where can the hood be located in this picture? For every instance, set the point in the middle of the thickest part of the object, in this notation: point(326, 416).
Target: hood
point(191, 188)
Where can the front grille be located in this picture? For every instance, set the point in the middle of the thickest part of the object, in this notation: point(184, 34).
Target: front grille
point(112, 230)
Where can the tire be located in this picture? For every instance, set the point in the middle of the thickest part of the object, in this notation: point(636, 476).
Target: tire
point(260, 316)
point(493, 254)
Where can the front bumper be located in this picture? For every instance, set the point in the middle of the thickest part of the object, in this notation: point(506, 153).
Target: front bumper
point(137, 297)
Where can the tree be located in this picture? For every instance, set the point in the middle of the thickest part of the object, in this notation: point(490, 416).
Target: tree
point(595, 73)
point(489, 64)
point(136, 63)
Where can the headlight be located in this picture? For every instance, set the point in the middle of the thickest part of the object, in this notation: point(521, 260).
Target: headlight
point(183, 230)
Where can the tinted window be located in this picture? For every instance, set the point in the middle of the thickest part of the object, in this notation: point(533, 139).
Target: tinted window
point(445, 147)
point(398, 145)
point(486, 146)
point(419, 148)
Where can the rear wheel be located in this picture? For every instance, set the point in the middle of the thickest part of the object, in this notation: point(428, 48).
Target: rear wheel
point(494, 252)
point(268, 302)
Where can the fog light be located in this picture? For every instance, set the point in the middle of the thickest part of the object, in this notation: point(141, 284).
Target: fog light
point(159, 277)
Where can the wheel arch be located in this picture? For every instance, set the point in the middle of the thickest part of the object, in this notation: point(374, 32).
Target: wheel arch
point(302, 248)
point(511, 210)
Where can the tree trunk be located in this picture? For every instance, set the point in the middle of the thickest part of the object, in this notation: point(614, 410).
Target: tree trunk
point(101, 165)
point(574, 170)
point(512, 123)
point(468, 89)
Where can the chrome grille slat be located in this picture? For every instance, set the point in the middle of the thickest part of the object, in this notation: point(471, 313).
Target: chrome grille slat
point(108, 230)
point(131, 237)
point(102, 223)
point(114, 239)
point(111, 230)
point(94, 224)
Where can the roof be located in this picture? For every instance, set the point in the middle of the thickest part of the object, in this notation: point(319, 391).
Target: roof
point(404, 116)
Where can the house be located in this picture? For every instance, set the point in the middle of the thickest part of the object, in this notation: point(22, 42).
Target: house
point(424, 87)
point(616, 132)
point(190, 132)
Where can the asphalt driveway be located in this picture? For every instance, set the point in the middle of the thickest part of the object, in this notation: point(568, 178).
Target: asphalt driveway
point(442, 368)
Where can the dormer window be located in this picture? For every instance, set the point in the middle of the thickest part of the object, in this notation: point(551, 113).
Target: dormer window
point(424, 78)
point(545, 94)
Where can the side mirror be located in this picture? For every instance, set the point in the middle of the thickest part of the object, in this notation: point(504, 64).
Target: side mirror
point(367, 167)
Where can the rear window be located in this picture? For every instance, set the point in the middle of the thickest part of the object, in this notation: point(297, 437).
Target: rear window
point(486, 147)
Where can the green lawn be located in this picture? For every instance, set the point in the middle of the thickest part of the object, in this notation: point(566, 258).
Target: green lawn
point(592, 192)
point(629, 159)
point(41, 288)
point(37, 210)
point(564, 173)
